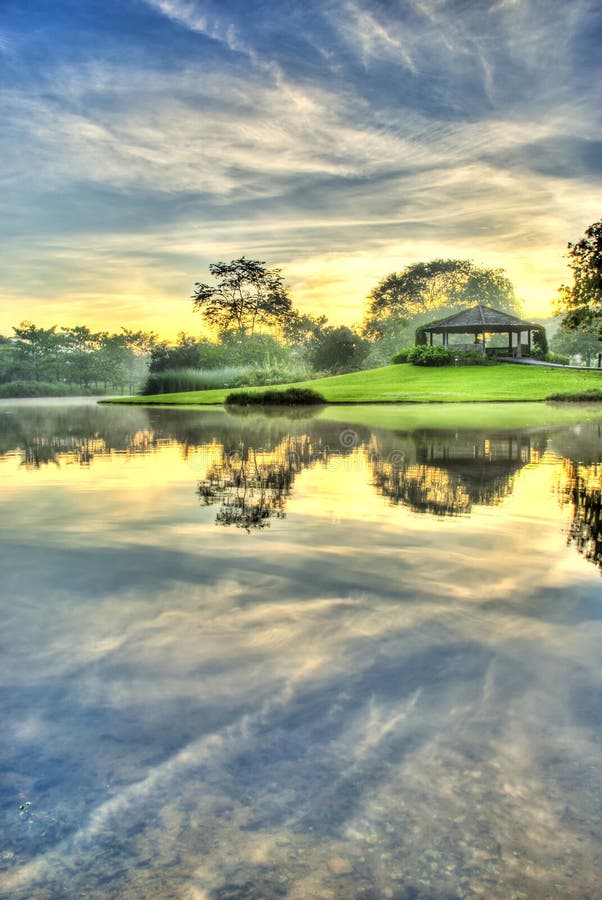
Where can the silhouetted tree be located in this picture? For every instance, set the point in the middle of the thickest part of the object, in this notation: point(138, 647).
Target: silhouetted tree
point(245, 295)
point(581, 304)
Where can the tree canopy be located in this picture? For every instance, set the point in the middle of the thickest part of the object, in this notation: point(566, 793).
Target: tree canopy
point(245, 294)
point(436, 286)
point(581, 304)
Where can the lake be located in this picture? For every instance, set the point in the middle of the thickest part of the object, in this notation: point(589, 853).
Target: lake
point(354, 653)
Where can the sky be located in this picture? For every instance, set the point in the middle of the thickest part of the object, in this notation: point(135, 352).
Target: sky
point(339, 140)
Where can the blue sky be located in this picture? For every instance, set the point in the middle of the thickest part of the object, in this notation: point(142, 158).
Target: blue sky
point(337, 139)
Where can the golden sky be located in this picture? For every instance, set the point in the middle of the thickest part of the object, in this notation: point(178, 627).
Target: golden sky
point(339, 141)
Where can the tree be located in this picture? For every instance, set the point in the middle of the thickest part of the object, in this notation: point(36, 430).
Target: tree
point(245, 295)
point(81, 357)
point(34, 348)
point(338, 349)
point(442, 285)
point(581, 305)
point(583, 341)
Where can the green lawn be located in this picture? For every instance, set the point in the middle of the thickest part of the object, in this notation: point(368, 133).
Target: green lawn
point(413, 384)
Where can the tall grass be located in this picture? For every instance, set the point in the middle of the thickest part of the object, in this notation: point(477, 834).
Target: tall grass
point(173, 381)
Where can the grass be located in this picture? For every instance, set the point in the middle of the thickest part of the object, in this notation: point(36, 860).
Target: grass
point(412, 384)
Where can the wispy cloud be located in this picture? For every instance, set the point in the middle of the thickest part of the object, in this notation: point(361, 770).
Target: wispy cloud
point(319, 134)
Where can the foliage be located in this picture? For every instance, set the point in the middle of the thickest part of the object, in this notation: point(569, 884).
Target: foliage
point(233, 348)
point(245, 295)
point(172, 380)
point(540, 341)
point(425, 355)
point(186, 353)
point(430, 356)
point(401, 356)
point(558, 358)
point(34, 350)
point(73, 356)
point(251, 349)
point(445, 285)
point(582, 341)
point(472, 358)
point(42, 389)
point(195, 379)
point(338, 349)
point(289, 397)
point(581, 304)
point(275, 373)
point(420, 339)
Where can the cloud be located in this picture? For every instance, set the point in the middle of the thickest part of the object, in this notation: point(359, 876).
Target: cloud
point(322, 133)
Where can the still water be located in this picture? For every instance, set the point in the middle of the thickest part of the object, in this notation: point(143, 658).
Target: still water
point(349, 655)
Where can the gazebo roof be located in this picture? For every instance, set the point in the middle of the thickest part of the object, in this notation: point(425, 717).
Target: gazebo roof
point(477, 319)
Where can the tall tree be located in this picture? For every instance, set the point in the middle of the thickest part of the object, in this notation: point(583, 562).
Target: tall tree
point(440, 285)
point(244, 296)
point(581, 304)
point(81, 358)
point(33, 349)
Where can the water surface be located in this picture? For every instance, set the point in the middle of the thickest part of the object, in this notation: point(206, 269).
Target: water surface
point(331, 656)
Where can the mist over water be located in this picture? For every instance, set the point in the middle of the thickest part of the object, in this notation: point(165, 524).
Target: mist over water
point(259, 656)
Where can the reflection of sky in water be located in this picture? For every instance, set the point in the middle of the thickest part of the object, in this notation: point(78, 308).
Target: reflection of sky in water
point(360, 701)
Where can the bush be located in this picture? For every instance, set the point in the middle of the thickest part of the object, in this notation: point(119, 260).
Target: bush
point(540, 341)
point(424, 355)
point(255, 376)
point(289, 397)
point(473, 358)
point(558, 358)
point(447, 356)
point(420, 338)
point(401, 356)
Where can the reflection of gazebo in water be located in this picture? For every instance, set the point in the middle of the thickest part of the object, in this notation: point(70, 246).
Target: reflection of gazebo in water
point(452, 472)
point(483, 320)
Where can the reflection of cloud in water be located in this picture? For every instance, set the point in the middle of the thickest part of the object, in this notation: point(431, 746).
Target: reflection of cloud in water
point(420, 717)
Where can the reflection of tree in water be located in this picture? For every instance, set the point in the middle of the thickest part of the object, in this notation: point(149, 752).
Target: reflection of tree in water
point(56, 435)
point(252, 485)
point(448, 472)
point(582, 488)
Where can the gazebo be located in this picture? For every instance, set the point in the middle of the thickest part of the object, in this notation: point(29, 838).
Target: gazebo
point(483, 320)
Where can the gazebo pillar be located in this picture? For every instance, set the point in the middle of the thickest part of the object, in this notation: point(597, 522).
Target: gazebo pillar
point(509, 343)
point(518, 349)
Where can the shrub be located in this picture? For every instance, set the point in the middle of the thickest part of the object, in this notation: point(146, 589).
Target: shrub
point(558, 358)
point(255, 376)
point(540, 342)
point(289, 397)
point(473, 358)
point(420, 339)
point(425, 355)
point(401, 356)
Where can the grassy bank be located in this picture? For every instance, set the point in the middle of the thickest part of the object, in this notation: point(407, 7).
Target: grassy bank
point(412, 384)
